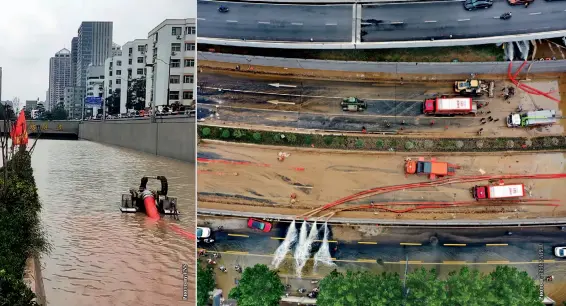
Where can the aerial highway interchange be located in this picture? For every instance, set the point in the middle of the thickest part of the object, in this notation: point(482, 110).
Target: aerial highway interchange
point(374, 23)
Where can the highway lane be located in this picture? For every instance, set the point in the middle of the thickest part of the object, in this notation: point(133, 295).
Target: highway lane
point(394, 245)
point(275, 22)
point(418, 21)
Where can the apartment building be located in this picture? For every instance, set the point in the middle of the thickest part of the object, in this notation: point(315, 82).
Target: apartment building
point(171, 63)
point(59, 77)
point(94, 89)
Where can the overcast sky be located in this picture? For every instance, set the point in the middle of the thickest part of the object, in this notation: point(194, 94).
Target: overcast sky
point(32, 31)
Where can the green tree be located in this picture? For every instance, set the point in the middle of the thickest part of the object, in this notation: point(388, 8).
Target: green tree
point(259, 286)
point(511, 287)
point(59, 112)
point(360, 288)
point(6, 112)
point(113, 102)
point(205, 283)
point(136, 94)
point(424, 288)
point(467, 288)
point(14, 291)
point(27, 113)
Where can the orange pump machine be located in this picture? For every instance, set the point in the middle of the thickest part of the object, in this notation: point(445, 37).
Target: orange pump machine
point(152, 203)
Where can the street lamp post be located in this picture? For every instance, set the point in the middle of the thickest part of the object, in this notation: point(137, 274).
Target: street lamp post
point(153, 84)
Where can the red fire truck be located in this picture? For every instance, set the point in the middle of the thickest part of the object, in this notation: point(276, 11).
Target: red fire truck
point(492, 192)
point(449, 106)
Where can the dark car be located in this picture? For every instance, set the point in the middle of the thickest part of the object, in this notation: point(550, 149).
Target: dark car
point(223, 9)
point(471, 5)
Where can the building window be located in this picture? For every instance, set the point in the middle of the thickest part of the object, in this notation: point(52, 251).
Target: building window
point(129, 73)
point(119, 63)
point(139, 71)
point(189, 62)
point(130, 50)
point(175, 47)
point(110, 74)
point(109, 91)
point(189, 46)
point(140, 60)
point(176, 31)
point(188, 79)
point(141, 48)
point(174, 79)
point(129, 61)
point(110, 83)
point(175, 63)
point(173, 95)
point(118, 72)
point(187, 95)
point(190, 30)
point(118, 81)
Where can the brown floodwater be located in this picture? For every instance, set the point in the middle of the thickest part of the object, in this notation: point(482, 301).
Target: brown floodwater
point(99, 255)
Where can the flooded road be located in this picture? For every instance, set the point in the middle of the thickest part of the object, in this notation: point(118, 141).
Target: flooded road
point(101, 256)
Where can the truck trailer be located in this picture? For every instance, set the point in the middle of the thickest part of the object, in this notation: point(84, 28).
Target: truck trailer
point(449, 106)
point(498, 191)
point(532, 119)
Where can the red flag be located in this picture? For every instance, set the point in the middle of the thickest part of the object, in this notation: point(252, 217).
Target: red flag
point(19, 131)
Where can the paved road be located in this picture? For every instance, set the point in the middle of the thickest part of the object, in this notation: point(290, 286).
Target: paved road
point(403, 22)
point(429, 246)
point(276, 22)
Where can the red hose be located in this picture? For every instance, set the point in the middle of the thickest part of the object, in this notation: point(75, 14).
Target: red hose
point(182, 232)
point(150, 207)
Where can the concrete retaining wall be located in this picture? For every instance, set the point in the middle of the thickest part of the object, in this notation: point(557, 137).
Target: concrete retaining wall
point(174, 138)
point(401, 68)
point(33, 277)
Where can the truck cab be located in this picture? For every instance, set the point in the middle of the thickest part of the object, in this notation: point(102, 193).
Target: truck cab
point(353, 104)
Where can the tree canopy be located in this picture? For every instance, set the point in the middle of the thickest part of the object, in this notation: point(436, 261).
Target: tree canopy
point(259, 286)
point(205, 283)
point(509, 286)
point(424, 288)
point(360, 288)
point(136, 94)
point(113, 102)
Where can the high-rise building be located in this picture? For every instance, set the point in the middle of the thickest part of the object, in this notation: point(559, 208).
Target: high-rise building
point(94, 45)
point(124, 68)
point(74, 53)
point(171, 63)
point(94, 88)
point(59, 77)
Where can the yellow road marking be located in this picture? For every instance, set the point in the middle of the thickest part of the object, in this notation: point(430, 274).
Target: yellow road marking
point(411, 261)
point(366, 242)
point(453, 262)
point(277, 238)
point(410, 243)
point(455, 244)
point(546, 260)
point(282, 238)
point(239, 235)
point(498, 261)
point(236, 252)
point(497, 244)
point(366, 260)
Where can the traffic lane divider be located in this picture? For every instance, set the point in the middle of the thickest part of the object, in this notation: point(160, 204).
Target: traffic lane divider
point(239, 235)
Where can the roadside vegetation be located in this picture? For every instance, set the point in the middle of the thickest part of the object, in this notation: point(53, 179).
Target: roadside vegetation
point(478, 53)
point(382, 143)
point(259, 286)
point(21, 235)
point(205, 283)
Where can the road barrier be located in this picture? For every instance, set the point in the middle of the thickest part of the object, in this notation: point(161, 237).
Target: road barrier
point(322, 2)
point(381, 67)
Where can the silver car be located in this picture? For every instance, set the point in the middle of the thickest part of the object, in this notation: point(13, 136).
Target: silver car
point(560, 251)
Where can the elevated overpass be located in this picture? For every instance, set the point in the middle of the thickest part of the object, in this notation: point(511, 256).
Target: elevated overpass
point(375, 26)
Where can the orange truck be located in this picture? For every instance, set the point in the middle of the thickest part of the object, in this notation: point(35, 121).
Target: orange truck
point(431, 168)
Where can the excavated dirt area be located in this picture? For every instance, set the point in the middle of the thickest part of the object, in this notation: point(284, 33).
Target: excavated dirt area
point(330, 175)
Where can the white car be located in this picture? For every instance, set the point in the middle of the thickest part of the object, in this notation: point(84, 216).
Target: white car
point(560, 251)
point(204, 233)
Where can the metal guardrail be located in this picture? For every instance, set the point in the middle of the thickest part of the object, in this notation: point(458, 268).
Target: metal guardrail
point(423, 223)
point(394, 68)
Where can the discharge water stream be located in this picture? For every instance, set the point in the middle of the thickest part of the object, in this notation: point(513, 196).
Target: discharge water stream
point(285, 247)
point(303, 249)
point(323, 255)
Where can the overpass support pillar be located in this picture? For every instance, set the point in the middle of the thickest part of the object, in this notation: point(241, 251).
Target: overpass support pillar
point(356, 23)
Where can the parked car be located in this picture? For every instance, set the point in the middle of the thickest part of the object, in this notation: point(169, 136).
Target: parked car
point(520, 2)
point(471, 5)
point(560, 251)
point(223, 9)
point(259, 225)
point(204, 234)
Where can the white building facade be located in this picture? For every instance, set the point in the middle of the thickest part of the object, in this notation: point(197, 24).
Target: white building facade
point(59, 78)
point(125, 67)
point(171, 62)
point(94, 88)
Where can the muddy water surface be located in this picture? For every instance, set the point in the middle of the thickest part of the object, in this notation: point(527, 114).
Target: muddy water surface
point(101, 256)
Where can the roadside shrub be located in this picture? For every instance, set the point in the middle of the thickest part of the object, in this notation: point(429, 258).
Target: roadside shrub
point(359, 143)
point(409, 145)
point(328, 140)
point(14, 291)
point(256, 136)
point(379, 144)
point(238, 134)
point(225, 134)
point(291, 138)
point(308, 140)
point(206, 131)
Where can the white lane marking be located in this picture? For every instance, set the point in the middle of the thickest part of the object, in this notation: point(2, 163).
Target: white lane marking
point(397, 22)
point(366, 23)
point(232, 21)
point(264, 22)
point(430, 21)
point(297, 23)
point(538, 13)
point(467, 19)
point(201, 18)
point(331, 24)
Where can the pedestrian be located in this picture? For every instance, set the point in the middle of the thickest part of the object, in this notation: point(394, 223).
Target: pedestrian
point(431, 122)
point(364, 131)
